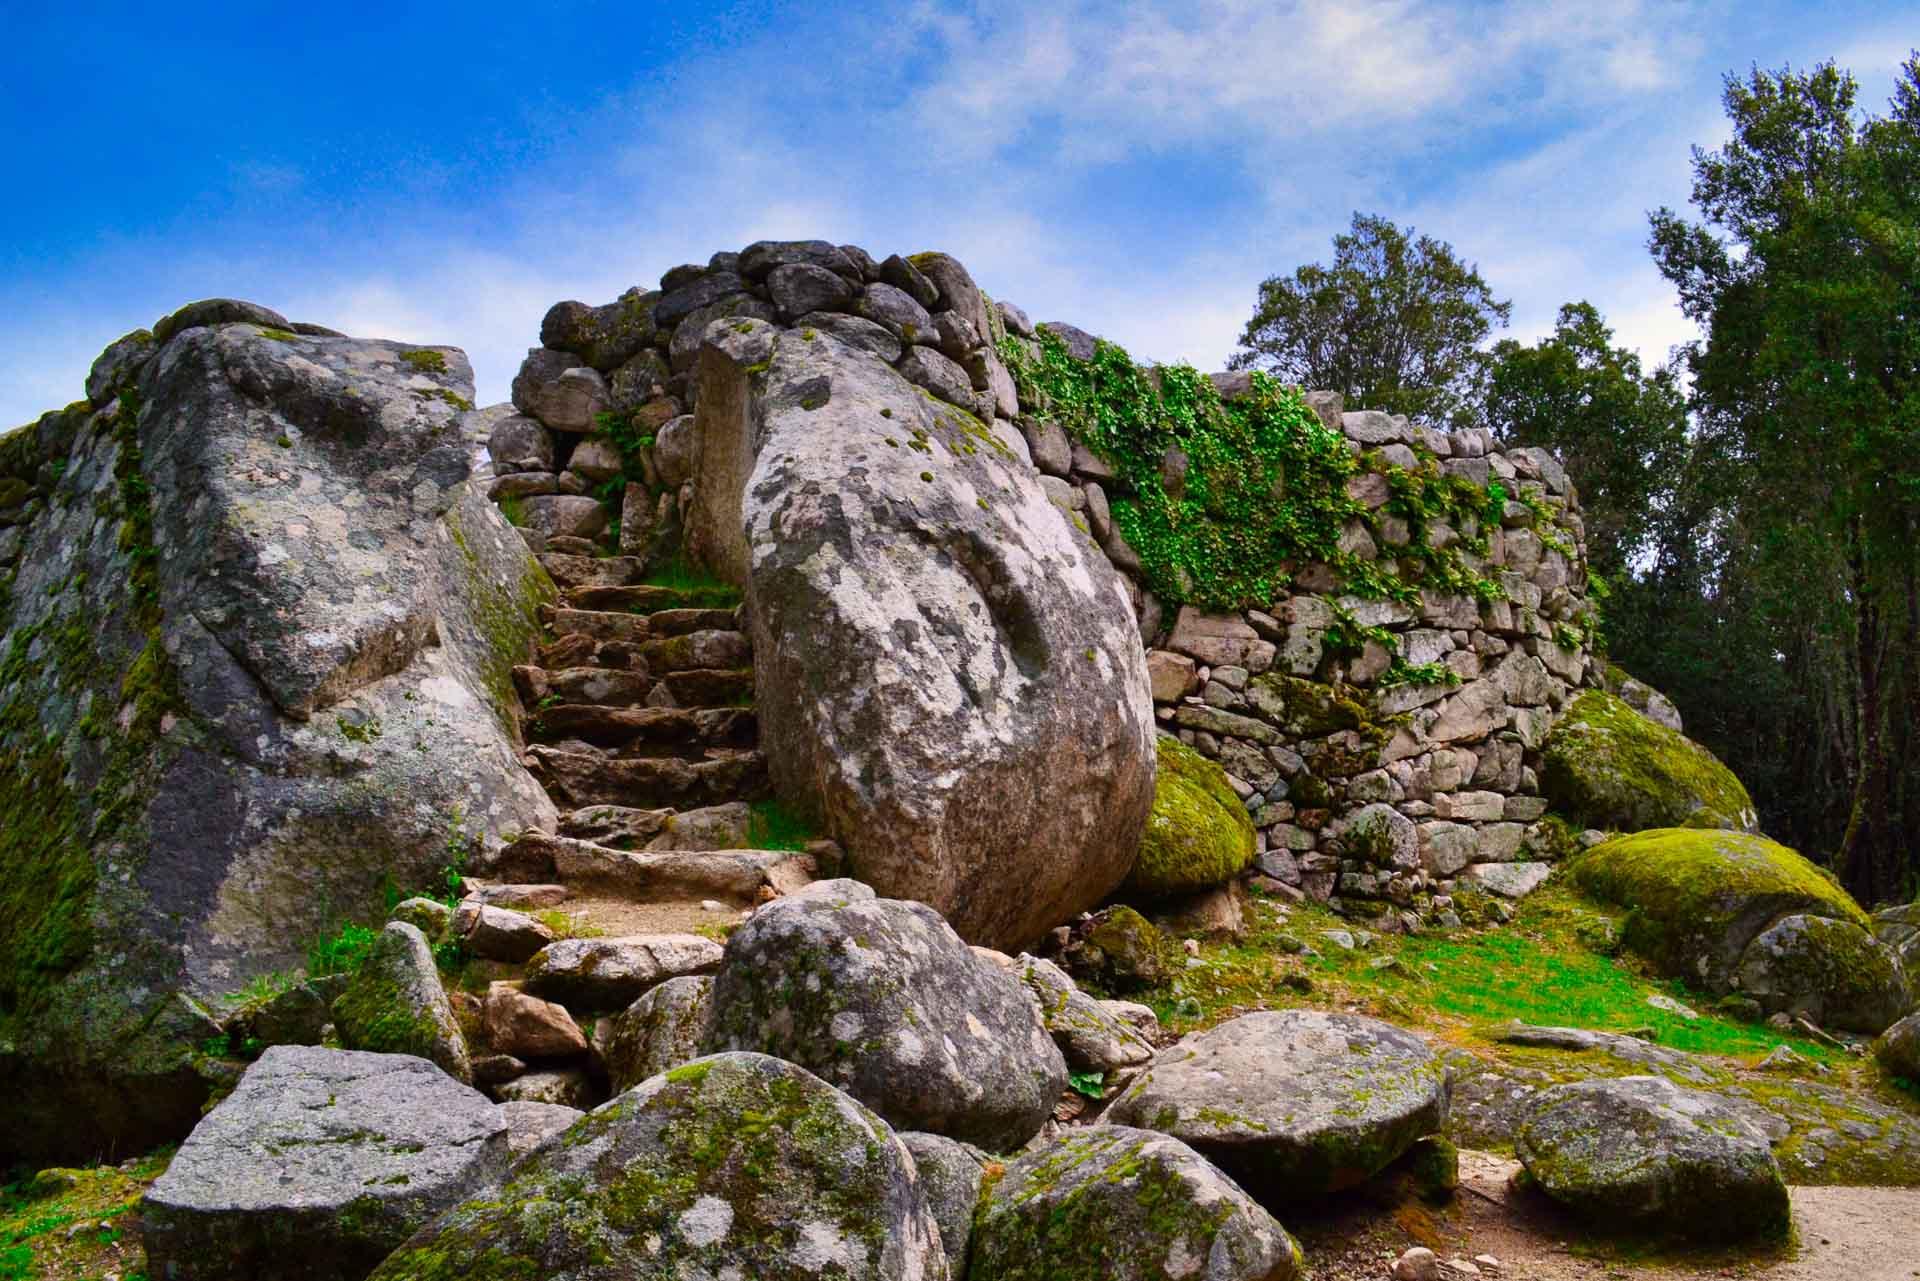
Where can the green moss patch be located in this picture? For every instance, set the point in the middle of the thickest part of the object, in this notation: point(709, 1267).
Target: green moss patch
point(1198, 834)
point(76, 1222)
point(1607, 766)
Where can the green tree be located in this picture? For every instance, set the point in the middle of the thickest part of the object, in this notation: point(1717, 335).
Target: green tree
point(1803, 269)
point(1622, 432)
point(1398, 322)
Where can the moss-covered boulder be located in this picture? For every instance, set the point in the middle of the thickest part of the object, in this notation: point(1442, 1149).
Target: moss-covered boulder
point(1832, 972)
point(396, 1005)
point(1198, 833)
point(660, 1031)
point(1898, 1049)
point(1112, 1203)
point(1696, 899)
point(1641, 1154)
point(1120, 950)
point(1294, 1104)
point(1607, 766)
point(737, 1165)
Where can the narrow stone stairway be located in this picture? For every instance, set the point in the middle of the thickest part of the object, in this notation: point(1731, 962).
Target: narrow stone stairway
point(641, 728)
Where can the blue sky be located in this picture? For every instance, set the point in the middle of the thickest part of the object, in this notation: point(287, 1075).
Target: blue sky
point(441, 173)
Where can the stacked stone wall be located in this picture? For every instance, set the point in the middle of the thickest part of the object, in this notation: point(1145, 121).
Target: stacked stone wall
point(1383, 798)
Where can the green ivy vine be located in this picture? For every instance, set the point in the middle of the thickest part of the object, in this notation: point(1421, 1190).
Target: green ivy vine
point(1264, 492)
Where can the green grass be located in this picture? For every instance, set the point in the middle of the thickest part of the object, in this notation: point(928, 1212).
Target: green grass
point(771, 826)
point(1538, 969)
point(342, 952)
point(38, 1212)
point(700, 587)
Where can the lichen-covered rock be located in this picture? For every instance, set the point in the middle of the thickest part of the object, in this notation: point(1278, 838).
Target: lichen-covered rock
point(1831, 972)
point(1293, 1103)
point(395, 1004)
point(1090, 1037)
point(1642, 1154)
point(1112, 1203)
point(951, 1176)
point(317, 1165)
point(530, 1126)
point(1198, 834)
point(255, 659)
point(1121, 951)
point(1697, 898)
point(949, 675)
point(1898, 1048)
point(660, 1031)
point(736, 1165)
point(1608, 766)
point(882, 999)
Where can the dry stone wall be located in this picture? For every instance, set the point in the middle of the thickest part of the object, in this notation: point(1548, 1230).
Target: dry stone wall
point(1382, 795)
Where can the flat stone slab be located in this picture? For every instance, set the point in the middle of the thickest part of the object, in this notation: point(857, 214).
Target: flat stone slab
point(1293, 1103)
point(612, 973)
point(319, 1164)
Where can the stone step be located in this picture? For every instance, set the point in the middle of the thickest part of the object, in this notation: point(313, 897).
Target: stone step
point(713, 827)
point(576, 779)
point(591, 571)
point(706, 687)
point(607, 625)
point(640, 599)
point(600, 685)
point(697, 651)
point(678, 622)
point(606, 726)
point(741, 876)
point(569, 651)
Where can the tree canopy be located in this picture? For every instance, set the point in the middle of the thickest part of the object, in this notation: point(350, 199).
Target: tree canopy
point(1398, 323)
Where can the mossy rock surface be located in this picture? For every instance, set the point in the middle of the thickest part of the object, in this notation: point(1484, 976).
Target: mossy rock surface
point(396, 1005)
point(1607, 766)
point(1641, 1154)
point(1198, 833)
point(1697, 898)
point(1830, 972)
point(732, 1165)
point(1122, 951)
point(1294, 1104)
point(1113, 1203)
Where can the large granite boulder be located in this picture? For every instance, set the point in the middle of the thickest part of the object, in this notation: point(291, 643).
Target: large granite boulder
point(255, 664)
point(1293, 1103)
point(1733, 912)
point(949, 675)
point(1898, 1048)
point(1641, 1154)
point(394, 1004)
point(1607, 766)
point(662, 1030)
point(1112, 1203)
point(736, 1165)
point(882, 999)
point(1198, 833)
point(318, 1165)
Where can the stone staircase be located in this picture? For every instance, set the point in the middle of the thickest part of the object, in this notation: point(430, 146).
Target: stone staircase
point(641, 728)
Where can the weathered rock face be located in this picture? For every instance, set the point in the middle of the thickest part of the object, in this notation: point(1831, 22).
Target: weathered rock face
point(669, 1180)
point(318, 1165)
point(1090, 1037)
point(1118, 1204)
point(1609, 766)
point(1733, 912)
point(951, 1174)
point(1294, 1103)
point(1898, 1049)
point(882, 999)
point(660, 1031)
point(1641, 1153)
point(948, 672)
point(257, 652)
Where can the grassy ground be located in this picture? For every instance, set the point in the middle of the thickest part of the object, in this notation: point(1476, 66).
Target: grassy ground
point(1551, 965)
point(76, 1223)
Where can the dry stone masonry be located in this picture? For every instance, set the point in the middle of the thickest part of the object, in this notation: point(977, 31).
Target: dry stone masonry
point(1387, 748)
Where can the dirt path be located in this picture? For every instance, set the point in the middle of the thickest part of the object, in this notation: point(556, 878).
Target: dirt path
point(1844, 1234)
